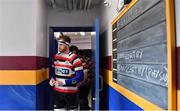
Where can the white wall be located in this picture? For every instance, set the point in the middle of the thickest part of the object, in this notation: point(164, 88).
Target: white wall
point(17, 24)
point(82, 43)
point(177, 14)
point(107, 15)
point(74, 18)
point(22, 28)
point(41, 28)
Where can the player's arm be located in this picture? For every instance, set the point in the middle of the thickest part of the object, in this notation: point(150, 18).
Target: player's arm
point(78, 68)
point(52, 73)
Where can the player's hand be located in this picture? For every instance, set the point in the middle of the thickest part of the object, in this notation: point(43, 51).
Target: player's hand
point(52, 82)
point(59, 83)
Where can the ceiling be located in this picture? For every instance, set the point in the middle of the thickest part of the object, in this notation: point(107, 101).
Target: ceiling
point(75, 34)
point(70, 5)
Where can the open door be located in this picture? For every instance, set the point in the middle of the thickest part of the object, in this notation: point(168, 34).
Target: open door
point(95, 50)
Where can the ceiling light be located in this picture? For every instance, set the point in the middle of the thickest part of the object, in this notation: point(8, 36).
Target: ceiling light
point(107, 2)
point(82, 33)
point(93, 33)
point(57, 34)
point(65, 33)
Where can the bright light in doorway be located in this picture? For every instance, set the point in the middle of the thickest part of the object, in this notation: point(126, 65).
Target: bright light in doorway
point(76, 33)
point(93, 33)
point(107, 3)
point(82, 33)
point(57, 34)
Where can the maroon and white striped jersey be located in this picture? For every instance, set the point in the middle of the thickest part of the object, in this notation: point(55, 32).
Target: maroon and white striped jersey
point(66, 66)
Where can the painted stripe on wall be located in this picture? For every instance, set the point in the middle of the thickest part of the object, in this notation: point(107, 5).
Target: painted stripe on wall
point(43, 95)
point(22, 62)
point(108, 59)
point(17, 97)
point(178, 78)
point(23, 77)
point(23, 83)
point(141, 102)
point(25, 97)
point(115, 101)
point(178, 99)
point(177, 3)
point(178, 68)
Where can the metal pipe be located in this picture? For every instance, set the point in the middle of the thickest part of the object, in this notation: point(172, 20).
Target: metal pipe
point(75, 4)
point(86, 4)
point(53, 3)
point(89, 4)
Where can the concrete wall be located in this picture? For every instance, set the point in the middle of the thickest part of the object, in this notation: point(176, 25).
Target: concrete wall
point(82, 43)
point(114, 100)
point(71, 19)
point(177, 14)
point(17, 24)
point(41, 28)
point(23, 28)
point(117, 100)
point(23, 55)
point(107, 15)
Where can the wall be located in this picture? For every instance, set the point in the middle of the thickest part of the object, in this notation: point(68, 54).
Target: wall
point(115, 100)
point(71, 19)
point(17, 28)
point(119, 99)
point(41, 28)
point(177, 8)
point(23, 54)
point(107, 15)
point(23, 28)
point(82, 43)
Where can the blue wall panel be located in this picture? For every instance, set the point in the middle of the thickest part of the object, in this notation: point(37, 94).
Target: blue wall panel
point(43, 95)
point(15, 97)
point(25, 97)
point(113, 100)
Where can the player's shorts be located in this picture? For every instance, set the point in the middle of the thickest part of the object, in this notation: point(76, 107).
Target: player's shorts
point(65, 100)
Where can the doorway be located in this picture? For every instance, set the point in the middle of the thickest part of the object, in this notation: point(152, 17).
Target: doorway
point(85, 38)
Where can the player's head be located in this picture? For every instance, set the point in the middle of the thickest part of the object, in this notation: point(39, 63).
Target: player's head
point(73, 49)
point(63, 43)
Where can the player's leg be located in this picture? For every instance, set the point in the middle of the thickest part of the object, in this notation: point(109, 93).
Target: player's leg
point(59, 101)
point(72, 101)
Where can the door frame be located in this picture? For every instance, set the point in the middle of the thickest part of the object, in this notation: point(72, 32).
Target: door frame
point(52, 46)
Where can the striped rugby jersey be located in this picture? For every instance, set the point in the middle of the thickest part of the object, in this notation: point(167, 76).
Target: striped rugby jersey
point(68, 68)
